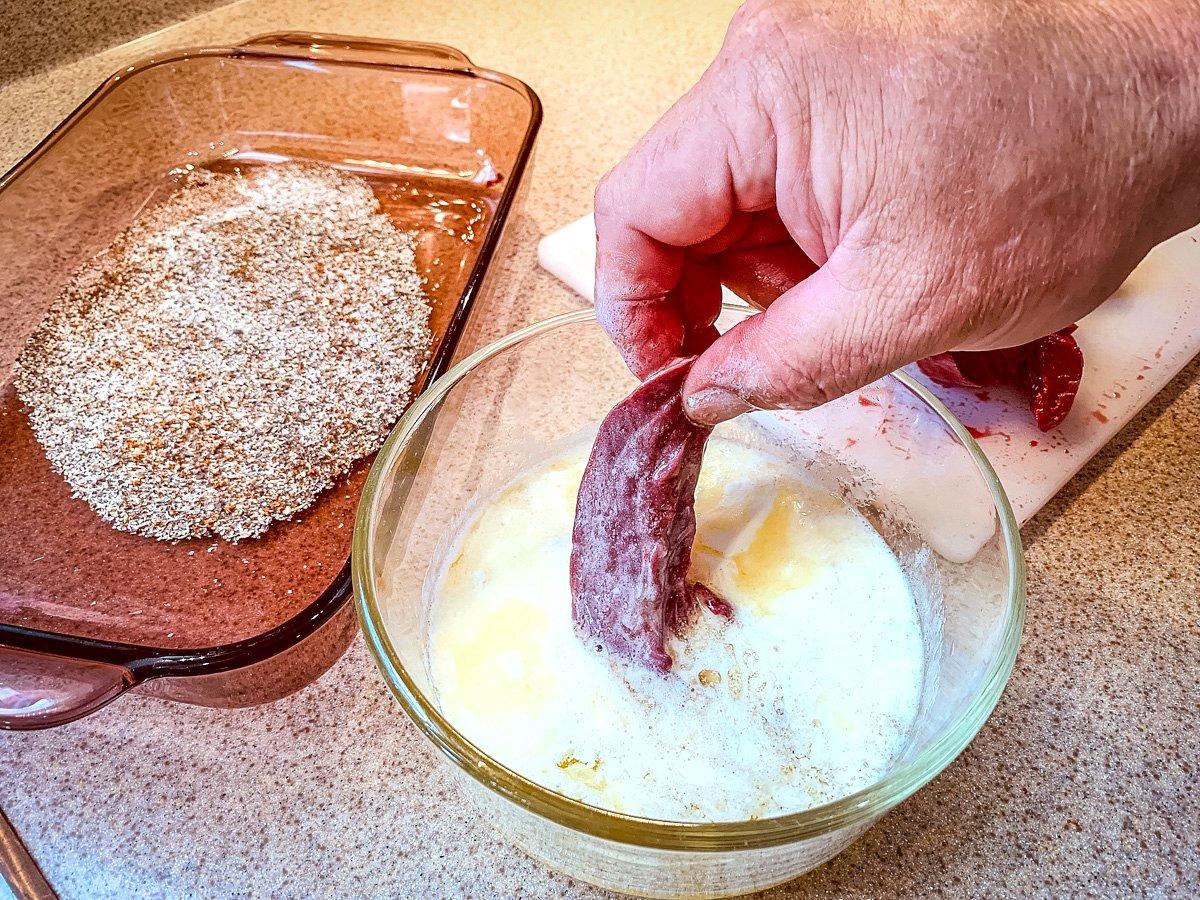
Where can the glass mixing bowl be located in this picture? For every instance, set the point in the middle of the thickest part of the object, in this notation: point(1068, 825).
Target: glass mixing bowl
point(891, 450)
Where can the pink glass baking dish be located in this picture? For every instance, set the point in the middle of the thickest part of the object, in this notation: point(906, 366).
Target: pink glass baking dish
point(86, 612)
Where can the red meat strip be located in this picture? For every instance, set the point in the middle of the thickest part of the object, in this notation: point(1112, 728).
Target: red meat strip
point(1047, 371)
point(635, 523)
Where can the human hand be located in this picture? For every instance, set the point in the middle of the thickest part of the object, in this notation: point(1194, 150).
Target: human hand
point(892, 181)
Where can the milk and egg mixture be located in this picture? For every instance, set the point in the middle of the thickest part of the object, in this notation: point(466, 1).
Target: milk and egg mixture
point(806, 695)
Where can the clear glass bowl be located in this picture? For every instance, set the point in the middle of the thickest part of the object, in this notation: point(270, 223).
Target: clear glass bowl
point(892, 450)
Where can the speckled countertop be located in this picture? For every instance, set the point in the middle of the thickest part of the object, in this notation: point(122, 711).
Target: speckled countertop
point(38, 35)
point(1083, 782)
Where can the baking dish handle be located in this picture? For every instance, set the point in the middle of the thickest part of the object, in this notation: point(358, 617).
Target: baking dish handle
point(40, 690)
point(340, 48)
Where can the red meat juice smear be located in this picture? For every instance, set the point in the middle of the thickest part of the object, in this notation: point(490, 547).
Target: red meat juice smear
point(635, 522)
point(1047, 371)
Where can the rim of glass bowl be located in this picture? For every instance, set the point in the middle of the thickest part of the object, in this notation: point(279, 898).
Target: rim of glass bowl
point(854, 809)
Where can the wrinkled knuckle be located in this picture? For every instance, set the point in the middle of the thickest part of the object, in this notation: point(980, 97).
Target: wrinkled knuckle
point(760, 24)
point(793, 381)
point(605, 201)
point(790, 379)
point(847, 359)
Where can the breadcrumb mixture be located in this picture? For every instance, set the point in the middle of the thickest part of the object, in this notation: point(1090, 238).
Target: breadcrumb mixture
point(231, 354)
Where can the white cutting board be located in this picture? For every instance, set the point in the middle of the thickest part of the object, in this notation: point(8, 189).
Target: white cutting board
point(1132, 345)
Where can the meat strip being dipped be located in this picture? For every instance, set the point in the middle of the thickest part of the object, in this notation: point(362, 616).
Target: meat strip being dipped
point(635, 522)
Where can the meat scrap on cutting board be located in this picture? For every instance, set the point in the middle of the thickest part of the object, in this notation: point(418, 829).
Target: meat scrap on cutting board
point(1047, 371)
point(635, 522)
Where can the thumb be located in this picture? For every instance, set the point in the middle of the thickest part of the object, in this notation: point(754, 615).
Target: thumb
point(818, 341)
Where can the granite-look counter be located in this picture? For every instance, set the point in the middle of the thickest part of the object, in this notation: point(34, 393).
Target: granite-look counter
point(1083, 782)
point(40, 35)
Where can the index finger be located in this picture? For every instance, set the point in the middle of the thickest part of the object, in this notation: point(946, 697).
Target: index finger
point(678, 188)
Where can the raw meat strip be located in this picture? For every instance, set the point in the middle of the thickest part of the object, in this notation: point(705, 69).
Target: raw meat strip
point(635, 522)
point(1047, 370)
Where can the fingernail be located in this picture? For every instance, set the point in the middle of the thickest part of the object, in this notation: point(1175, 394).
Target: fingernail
point(711, 405)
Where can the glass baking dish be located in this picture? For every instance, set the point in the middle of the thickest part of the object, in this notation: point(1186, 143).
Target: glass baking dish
point(87, 612)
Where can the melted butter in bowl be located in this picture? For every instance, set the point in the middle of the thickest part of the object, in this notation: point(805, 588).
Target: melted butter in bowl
point(807, 695)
